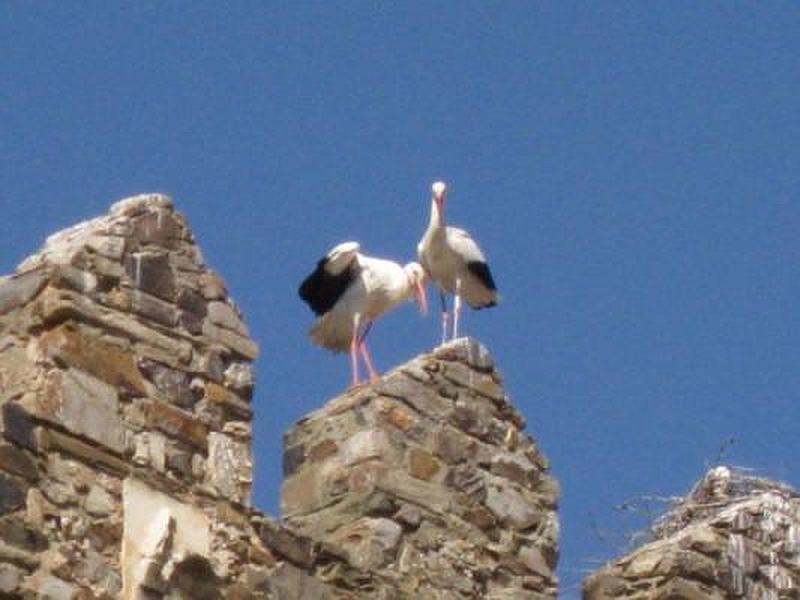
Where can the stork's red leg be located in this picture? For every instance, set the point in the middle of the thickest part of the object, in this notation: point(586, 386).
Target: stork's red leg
point(354, 344)
point(444, 316)
point(456, 307)
point(373, 374)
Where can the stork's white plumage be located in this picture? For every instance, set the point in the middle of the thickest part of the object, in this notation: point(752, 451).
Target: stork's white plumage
point(454, 261)
point(349, 290)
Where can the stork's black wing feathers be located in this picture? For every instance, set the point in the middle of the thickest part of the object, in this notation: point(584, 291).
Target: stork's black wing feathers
point(481, 271)
point(321, 290)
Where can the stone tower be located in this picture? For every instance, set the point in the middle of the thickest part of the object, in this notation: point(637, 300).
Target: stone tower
point(733, 536)
point(125, 455)
point(427, 478)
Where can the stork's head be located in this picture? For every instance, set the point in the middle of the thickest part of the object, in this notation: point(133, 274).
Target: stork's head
point(417, 279)
point(438, 189)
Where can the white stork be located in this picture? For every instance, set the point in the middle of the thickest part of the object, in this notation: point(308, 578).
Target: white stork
point(349, 290)
point(454, 261)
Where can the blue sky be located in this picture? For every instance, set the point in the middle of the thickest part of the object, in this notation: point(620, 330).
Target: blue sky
point(630, 169)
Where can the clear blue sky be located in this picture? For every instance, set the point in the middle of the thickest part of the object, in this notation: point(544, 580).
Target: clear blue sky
point(631, 170)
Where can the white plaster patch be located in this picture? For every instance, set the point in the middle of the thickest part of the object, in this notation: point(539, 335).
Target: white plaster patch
point(158, 532)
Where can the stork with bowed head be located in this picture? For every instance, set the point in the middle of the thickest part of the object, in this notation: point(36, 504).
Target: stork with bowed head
point(349, 291)
point(453, 260)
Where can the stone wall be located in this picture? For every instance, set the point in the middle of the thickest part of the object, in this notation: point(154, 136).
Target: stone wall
point(733, 536)
point(125, 455)
point(427, 478)
point(125, 467)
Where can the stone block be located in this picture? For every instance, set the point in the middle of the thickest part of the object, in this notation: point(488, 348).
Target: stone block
point(151, 272)
point(135, 205)
point(110, 246)
point(224, 315)
point(229, 401)
point(297, 548)
point(230, 467)
point(22, 535)
point(288, 582)
point(516, 468)
point(76, 346)
point(10, 578)
point(323, 450)
point(369, 543)
point(153, 308)
point(157, 227)
point(20, 289)
point(12, 494)
point(366, 445)
point(82, 404)
point(468, 351)
point(55, 440)
point(18, 371)
point(293, 458)
point(178, 423)
point(212, 287)
point(53, 588)
point(511, 507)
point(98, 502)
point(74, 278)
point(16, 462)
point(301, 493)
point(173, 384)
point(192, 302)
point(454, 446)
point(240, 344)
point(422, 465)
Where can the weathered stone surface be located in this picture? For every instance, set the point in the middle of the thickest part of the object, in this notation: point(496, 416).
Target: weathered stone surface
point(55, 306)
point(99, 502)
point(82, 404)
point(17, 290)
point(173, 384)
point(422, 465)
point(150, 307)
point(151, 272)
point(238, 343)
point(17, 462)
point(10, 578)
point(72, 345)
point(156, 227)
point(53, 588)
point(293, 457)
point(369, 543)
point(12, 494)
point(717, 542)
point(211, 286)
point(298, 549)
point(178, 423)
point(230, 468)
point(415, 477)
point(136, 205)
point(224, 315)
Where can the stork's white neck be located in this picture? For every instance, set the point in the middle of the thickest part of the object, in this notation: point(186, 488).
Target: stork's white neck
point(437, 215)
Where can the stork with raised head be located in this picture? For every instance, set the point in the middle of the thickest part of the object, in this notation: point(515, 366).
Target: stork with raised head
point(349, 290)
point(454, 261)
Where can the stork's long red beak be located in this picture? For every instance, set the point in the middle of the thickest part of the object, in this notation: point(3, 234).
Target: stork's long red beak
point(421, 297)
